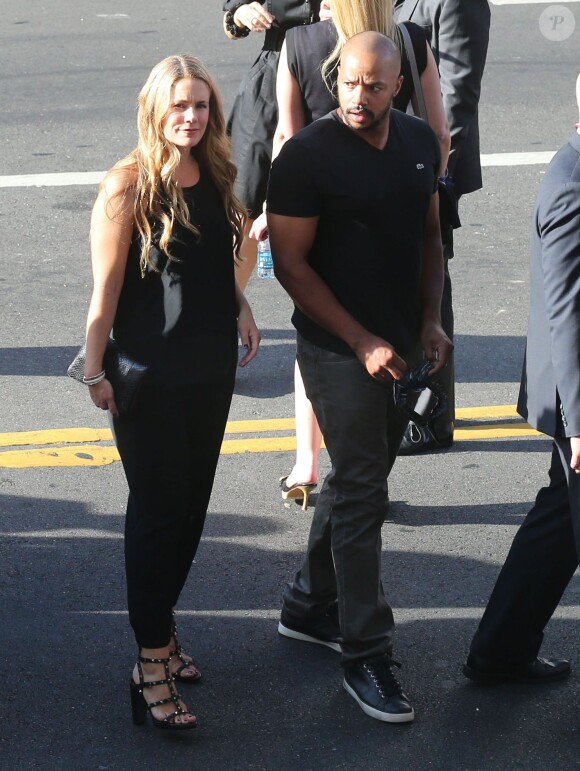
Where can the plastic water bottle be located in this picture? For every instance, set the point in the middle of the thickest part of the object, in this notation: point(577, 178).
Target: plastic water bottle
point(265, 264)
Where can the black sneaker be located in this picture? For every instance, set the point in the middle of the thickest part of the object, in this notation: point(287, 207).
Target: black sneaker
point(374, 686)
point(323, 630)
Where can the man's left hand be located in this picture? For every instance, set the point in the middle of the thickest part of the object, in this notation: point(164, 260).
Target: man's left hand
point(575, 447)
point(436, 345)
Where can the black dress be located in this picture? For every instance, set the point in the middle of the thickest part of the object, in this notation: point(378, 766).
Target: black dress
point(181, 321)
point(308, 47)
point(254, 115)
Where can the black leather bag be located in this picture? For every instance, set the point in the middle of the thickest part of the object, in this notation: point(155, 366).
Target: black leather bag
point(419, 395)
point(125, 375)
point(448, 214)
point(292, 13)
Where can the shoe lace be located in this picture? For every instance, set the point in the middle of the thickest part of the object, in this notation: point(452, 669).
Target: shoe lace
point(382, 676)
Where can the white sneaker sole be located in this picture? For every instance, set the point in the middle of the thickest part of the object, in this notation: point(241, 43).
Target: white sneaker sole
point(386, 717)
point(286, 632)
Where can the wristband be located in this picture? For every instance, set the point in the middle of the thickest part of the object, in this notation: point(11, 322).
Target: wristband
point(231, 27)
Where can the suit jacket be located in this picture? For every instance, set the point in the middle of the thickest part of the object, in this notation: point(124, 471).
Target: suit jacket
point(550, 390)
point(458, 31)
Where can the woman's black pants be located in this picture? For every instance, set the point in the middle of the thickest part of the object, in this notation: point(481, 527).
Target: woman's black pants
point(169, 448)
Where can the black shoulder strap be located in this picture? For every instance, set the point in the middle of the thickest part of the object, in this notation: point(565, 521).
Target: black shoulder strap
point(417, 88)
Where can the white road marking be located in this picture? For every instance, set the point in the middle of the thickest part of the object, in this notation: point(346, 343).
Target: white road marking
point(402, 615)
point(70, 178)
point(517, 159)
point(531, 2)
point(53, 180)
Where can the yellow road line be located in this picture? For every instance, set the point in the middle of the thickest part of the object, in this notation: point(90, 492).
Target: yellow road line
point(80, 455)
point(55, 436)
point(76, 435)
point(63, 435)
point(494, 411)
point(98, 455)
point(494, 431)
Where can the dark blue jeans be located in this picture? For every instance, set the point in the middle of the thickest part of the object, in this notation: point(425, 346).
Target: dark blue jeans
point(362, 430)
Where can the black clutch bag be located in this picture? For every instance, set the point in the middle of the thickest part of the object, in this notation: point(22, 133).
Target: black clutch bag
point(292, 13)
point(420, 397)
point(125, 375)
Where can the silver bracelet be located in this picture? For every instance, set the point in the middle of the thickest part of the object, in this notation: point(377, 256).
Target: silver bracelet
point(91, 381)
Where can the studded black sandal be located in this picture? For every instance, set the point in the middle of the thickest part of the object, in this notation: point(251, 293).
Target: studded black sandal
point(185, 664)
point(140, 706)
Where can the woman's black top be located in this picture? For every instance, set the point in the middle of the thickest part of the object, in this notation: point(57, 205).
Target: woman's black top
point(181, 321)
point(308, 47)
point(254, 116)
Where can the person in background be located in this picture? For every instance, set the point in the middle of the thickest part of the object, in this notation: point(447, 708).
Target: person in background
point(354, 228)
point(305, 91)
point(458, 31)
point(254, 115)
point(164, 231)
point(545, 552)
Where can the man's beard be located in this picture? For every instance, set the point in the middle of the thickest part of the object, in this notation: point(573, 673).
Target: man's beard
point(375, 120)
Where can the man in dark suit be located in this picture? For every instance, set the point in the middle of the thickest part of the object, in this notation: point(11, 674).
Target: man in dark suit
point(458, 31)
point(546, 549)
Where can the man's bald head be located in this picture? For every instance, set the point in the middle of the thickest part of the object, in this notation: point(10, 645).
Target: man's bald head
point(372, 44)
point(368, 81)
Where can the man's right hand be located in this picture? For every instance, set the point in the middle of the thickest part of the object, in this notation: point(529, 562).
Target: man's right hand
point(380, 359)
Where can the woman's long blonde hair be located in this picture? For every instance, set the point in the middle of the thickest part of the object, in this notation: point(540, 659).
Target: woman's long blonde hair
point(158, 197)
point(353, 16)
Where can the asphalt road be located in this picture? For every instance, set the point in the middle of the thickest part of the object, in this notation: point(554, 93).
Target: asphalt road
point(70, 73)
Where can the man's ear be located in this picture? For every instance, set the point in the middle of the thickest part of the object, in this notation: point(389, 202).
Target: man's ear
point(399, 84)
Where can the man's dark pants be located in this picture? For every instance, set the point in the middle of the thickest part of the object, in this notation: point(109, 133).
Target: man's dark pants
point(444, 423)
point(362, 430)
point(538, 568)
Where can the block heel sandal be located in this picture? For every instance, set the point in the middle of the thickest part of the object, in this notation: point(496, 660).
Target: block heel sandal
point(185, 664)
point(140, 706)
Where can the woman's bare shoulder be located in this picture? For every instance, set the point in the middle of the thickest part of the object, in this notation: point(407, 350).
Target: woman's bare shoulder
point(119, 180)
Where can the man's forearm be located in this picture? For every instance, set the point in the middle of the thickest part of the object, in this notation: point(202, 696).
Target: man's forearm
point(432, 279)
point(432, 265)
point(314, 297)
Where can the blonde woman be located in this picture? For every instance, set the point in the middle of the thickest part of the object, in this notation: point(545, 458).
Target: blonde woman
point(164, 231)
point(305, 92)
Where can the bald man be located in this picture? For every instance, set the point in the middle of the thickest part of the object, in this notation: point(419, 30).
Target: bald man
point(546, 549)
point(354, 229)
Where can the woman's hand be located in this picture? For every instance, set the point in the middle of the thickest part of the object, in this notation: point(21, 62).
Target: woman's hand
point(259, 229)
point(249, 333)
point(103, 397)
point(575, 460)
point(325, 10)
point(253, 16)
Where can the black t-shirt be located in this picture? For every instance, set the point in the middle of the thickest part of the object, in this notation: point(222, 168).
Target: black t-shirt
point(181, 321)
point(371, 206)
